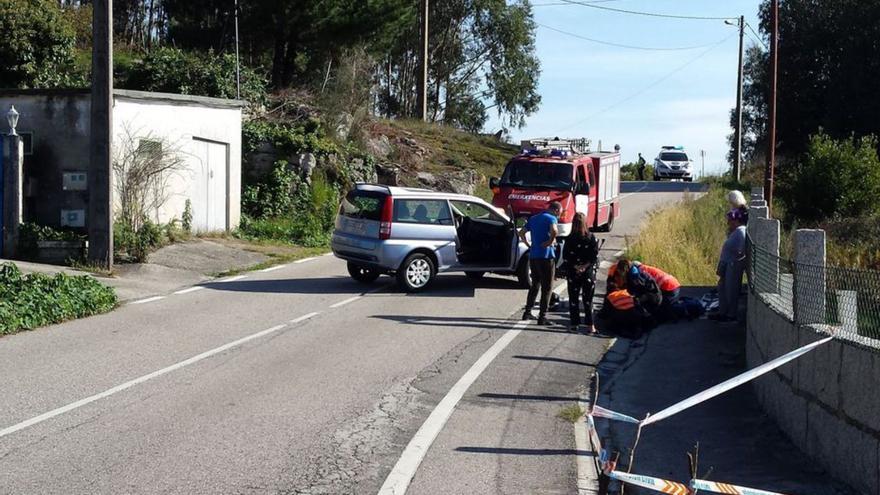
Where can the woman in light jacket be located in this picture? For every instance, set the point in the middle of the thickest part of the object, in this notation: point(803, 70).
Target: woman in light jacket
point(731, 265)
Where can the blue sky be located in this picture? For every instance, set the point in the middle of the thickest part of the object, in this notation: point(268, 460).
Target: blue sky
point(636, 98)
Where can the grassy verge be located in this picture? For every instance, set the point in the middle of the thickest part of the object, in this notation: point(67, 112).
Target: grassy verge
point(278, 252)
point(571, 413)
point(685, 239)
point(35, 300)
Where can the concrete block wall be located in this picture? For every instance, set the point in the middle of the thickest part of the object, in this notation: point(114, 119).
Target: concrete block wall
point(827, 401)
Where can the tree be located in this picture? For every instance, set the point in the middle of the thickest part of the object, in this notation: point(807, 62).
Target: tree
point(36, 47)
point(829, 62)
point(171, 70)
point(480, 51)
point(835, 179)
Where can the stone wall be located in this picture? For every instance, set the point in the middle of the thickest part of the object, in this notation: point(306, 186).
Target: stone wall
point(827, 401)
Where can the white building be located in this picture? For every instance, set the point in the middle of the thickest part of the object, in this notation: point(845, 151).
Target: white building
point(205, 133)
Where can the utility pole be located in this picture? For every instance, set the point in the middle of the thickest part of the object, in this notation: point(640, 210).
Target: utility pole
point(100, 175)
point(423, 79)
point(737, 138)
point(237, 65)
point(771, 126)
point(703, 160)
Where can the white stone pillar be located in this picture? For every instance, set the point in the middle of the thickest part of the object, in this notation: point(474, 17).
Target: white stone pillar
point(809, 276)
point(13, 180)
point(764, 233)
point(848, 311)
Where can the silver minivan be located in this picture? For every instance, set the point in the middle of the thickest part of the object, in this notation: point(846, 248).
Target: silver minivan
point(414, 234)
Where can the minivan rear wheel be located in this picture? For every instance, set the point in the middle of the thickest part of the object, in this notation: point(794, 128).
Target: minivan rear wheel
point(416, 272)
point(363, 274)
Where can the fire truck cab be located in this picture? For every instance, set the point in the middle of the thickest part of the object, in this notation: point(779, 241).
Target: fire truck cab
point(563, 170)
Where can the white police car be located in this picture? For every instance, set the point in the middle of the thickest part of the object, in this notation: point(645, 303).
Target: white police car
point(673, 163)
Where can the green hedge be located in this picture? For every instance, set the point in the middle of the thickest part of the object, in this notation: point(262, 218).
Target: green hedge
point(34, 300)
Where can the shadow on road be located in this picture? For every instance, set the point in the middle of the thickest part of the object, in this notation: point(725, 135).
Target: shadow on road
point(533, 452)
point(464, 322)
point(326, 285)
point(554, 360)
point(442, 286)
point(543, 398)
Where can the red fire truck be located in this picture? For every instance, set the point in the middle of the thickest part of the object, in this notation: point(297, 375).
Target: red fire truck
point(563, 170)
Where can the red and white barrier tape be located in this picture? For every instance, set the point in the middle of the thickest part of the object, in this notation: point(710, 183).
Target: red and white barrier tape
point(710, 392)
point(656, 484)
point(601, 412)
point(716, 487)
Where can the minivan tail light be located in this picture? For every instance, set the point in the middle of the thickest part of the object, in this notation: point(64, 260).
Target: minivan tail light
point(385, 222)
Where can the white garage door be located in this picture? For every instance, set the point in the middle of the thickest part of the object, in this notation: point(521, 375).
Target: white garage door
point(210, 186)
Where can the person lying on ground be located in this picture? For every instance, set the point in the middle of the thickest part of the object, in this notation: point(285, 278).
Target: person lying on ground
point(669, 286)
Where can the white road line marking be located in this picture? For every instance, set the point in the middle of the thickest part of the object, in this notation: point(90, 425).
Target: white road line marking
point(232, 279)
point(305, 317)
point(587, 474)
point(304, 260)
point(398, 480)
point(119, 388)
point(343, 303)
point(148, 300)
point(605, 264)
point(560, 289)
point(191, 289)
point(618, 254)
point(272, 268)
point(327, 254)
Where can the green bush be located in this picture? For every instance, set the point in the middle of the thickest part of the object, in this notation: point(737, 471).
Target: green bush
point(307, 222)
point(273, 195)
point(288, 138)
point(36, 46)
point(31, 233)
point(172, 70)
point(34, 300)
point(835, 179)
point(630, 171)
point(135, 245)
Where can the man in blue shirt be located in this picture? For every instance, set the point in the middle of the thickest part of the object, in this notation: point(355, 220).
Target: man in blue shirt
point(542, 258)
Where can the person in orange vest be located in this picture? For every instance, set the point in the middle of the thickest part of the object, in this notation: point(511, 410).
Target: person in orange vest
point(669, 286)
point(626, 316)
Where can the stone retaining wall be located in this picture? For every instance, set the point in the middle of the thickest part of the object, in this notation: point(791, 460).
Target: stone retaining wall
point(827, 401)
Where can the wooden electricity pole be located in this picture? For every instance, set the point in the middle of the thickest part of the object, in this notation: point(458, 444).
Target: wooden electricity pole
point(737, 138)
point(100, 176)
point(771, 125)
point(423, 77)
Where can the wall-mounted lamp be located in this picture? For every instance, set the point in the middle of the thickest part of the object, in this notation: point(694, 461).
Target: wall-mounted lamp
point(12, 119)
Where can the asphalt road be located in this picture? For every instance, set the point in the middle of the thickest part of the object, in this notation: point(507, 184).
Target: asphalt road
point(295, 380)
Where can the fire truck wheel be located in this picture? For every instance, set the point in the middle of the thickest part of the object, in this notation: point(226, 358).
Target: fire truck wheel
point(608, 226)
point(523, 273)
point(475, 275)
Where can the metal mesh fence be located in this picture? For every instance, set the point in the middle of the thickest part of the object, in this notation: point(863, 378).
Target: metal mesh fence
point(845, 298)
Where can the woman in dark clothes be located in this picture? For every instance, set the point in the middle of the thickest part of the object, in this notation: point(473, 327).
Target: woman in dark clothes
point(580, 259)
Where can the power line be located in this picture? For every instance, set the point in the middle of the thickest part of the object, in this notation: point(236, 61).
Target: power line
point(554, 4)
point(649, 14)
point(648, 87)
point(757, 36)
point(620, 45)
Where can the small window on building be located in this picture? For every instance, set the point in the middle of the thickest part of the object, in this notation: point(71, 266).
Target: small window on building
point(27, 141)
point(148, 147)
